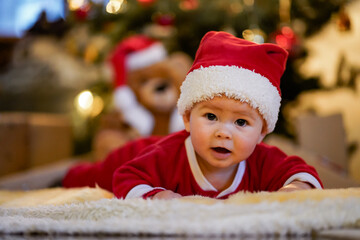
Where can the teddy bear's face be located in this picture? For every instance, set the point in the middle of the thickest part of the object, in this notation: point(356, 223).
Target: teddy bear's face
point(156, 87)
point(159, 94)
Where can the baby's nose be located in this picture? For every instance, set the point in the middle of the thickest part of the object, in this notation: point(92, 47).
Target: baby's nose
point(223, 132)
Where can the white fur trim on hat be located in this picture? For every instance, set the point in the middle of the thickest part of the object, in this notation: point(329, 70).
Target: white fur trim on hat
point(235, 82)
point(146, 57)
point(133, 112)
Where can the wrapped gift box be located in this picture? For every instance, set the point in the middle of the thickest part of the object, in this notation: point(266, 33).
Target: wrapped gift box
point(33, 139)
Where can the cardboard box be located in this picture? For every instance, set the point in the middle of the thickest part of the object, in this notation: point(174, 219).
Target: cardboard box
point(331, 177)
point(13, 144)
point(324, 135)
point(33, 139)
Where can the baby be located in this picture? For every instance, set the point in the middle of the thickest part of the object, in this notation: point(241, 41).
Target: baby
point(229, 101)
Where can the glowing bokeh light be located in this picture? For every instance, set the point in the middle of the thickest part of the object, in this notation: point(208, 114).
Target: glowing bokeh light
point(85, 100)
point(88, 104)
point(254, 35)
point(75, 4)
point(114, 6)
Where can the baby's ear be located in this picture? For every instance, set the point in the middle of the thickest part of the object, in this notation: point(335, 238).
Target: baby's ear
point(263, 132)
point(261, 137)
point(186, 119)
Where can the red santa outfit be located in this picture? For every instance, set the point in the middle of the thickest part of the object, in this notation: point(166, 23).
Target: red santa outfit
point(171, 164)
point(146, 166)
point(101, 173)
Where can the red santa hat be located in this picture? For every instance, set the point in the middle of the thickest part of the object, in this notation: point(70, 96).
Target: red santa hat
point(135, 52)
point(239, 69)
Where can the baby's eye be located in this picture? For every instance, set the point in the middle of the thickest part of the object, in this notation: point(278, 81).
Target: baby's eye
point(210, 116)
point(241, 122)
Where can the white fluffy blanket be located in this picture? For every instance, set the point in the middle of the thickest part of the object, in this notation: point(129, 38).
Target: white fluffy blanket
point(244, 214)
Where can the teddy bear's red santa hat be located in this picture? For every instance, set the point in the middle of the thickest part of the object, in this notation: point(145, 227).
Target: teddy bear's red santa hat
point(135, 52)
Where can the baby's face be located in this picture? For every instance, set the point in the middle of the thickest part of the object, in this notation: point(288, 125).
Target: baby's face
point(223, 131)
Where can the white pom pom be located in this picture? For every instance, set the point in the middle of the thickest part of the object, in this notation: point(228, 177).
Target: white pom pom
point(134, 113)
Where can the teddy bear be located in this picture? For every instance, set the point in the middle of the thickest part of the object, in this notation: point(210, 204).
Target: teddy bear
point(147, 82)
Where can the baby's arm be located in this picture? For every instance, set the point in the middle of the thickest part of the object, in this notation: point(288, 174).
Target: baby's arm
point(295, 186)
point(280, 172)
point(100, 173)
point(166, 194)
point(144, 177)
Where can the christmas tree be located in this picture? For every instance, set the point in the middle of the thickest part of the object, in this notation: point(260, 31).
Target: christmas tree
point(92, 28)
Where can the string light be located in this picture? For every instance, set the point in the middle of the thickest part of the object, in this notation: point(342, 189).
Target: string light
point(115, 6)
point(254, 35)
point(76, 4)
point(84, 100)
point(88, 104)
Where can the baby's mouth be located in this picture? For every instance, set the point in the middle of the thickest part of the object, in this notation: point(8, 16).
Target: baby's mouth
point(221, 150)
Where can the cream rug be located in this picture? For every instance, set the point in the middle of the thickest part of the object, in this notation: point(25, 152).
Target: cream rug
point(244, 214)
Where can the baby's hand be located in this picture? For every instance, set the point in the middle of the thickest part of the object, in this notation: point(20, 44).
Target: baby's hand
point(294, 186)
point(167, 194)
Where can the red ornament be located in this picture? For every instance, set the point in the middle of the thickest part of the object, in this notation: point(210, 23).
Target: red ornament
point(285, 38)
point(146, 3)
point(167, 19)
point(82, 12)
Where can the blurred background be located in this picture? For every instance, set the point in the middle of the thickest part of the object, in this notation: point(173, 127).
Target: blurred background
point(57, 80)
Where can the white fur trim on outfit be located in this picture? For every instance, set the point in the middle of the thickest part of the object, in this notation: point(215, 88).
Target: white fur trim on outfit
point(235, 82)
point(133, 112)
point(139, 191)
point(304, 177)
point(146, 57)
